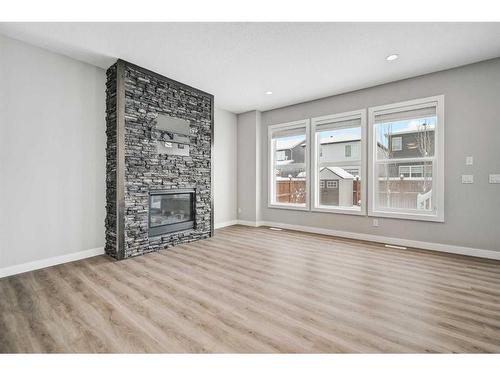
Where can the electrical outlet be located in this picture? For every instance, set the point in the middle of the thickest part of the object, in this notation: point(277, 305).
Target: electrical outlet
point(467, 179)
point(375, 222)
point(494, 178)
point(469, 160)
point(239, 210)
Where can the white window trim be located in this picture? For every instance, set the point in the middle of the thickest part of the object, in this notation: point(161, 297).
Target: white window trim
point(334, 183)
point(283, 153)
point(411, 168)
point(404, 166)
point(438, 163)
point(314, 152)
point(401, 144)
point(350, 151)
point(270, 155)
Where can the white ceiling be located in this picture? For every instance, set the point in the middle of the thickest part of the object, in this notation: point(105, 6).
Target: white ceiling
point(239, 62)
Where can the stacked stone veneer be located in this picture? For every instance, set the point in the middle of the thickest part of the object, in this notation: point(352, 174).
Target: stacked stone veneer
point(110, 223)
point(147, 95)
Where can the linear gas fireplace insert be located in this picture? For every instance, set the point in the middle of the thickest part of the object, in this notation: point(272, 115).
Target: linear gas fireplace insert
point(171, 211)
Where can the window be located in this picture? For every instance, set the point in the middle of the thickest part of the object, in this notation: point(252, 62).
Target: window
point(288, 178)
point(404, 171)
point(332, 184)
point(347, 150)
point(415, 171)
point(338, 158)
point(280, 155)
point(406, 160)
point(397, 143)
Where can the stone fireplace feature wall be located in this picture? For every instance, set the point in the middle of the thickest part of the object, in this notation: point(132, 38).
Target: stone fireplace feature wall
point(110, 223)
point(135, 98)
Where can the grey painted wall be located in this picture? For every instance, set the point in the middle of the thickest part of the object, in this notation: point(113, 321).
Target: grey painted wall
point(51, 154)
point(225, 166)
point(472, 127)
point(259, 170)
point(249, 166)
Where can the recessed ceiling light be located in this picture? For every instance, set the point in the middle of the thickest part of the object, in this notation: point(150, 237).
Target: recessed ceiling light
point(269, 92)
point(392, 57)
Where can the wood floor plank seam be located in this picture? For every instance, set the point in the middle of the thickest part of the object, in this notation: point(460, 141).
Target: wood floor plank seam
point(446, 333)
point(407, 302)
point(466, 302)
point(392, 256)
point(236, 298)
point(201, 286)
point(490, 292)
point(151, 273)
point(253, 290)
point(185, 306)
point(367, 247)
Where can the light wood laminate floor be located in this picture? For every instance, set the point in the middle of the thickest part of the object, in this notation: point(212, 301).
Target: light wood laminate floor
point(257, 290)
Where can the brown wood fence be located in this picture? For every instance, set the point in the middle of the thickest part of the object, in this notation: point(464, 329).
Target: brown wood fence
point(291, 191)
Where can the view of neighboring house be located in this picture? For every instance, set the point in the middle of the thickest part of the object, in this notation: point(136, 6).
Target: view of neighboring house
point(340, 160)
point(290, 170)
point(290, 156)
point(336, 187)
point(340, 170)
point(401, 184)
point(343, 152)
point(406, 184)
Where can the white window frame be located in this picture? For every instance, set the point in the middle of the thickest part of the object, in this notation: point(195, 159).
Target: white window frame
point(334, 184)
point(411, 170)
point(401, 173)
point(350, 151)
point(283, 154)
point(271, 186)
point(322, 184)
point(400, 143)
point(437, 214)
point(314, 179)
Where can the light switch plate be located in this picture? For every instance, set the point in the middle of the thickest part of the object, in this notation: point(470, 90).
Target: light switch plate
point(494, 178)
point(469, 160)
point(467, 179)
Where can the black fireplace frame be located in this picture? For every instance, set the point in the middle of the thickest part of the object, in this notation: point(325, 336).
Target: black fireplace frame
point(176, 227)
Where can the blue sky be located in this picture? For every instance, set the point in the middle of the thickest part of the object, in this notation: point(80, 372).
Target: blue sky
point(398, 126)
point(401, 126)
point(342, 133)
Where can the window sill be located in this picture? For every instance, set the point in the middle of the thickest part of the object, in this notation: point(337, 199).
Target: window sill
point(340, 210)
point(407, 216)
point(290, 206)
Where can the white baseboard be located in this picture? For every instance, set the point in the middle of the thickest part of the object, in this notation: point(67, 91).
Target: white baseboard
point(43, 263)
point(225, 224)
point(250, 223)
point(481, 253)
